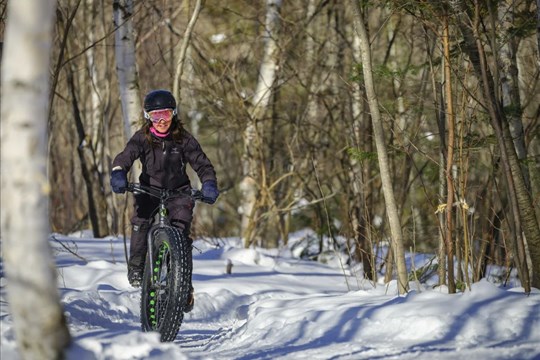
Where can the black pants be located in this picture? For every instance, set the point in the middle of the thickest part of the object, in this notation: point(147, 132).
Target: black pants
point(180, 214)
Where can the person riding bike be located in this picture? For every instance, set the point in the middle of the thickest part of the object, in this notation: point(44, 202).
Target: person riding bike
point(164, 148)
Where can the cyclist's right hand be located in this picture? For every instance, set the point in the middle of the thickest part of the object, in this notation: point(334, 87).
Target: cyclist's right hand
point(119, 181)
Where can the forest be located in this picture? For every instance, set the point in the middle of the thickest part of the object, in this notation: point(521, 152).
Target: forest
point(408, 122)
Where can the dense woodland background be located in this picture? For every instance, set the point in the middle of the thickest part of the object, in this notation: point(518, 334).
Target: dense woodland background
point(453, 122)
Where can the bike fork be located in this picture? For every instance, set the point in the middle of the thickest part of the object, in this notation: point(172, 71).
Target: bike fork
point(162, 221)
point(150, 255)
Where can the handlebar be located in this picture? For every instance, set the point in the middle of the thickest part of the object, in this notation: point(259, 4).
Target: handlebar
point(165, 194)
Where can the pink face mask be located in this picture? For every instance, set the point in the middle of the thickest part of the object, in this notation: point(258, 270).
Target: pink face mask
point(157, 133)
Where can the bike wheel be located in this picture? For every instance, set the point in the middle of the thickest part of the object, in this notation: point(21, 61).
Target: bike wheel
point(162, 303)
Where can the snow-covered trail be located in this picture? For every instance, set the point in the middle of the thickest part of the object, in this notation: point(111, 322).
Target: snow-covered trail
point(275, 306)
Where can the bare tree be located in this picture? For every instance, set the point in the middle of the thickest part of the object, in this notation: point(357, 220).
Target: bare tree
point(96, 75)
point(97, 204)
point(449, 158)
point(261, 98)
point(304, 126)
point(508, 74)
point(39, 320)
point(126, 65)
point(128, 82)
point(360, 210)
point(520, 199)
point(393, 217)
point(183, 50)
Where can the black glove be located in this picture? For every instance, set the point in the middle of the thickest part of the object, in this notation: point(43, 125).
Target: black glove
point(119, 181)
point(210, 191)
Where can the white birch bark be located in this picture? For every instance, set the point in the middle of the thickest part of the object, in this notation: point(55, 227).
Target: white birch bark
point(509, 76)
point(33, 297)
point(511, 100)
point(185, 62)
point(358, 173)
point(126, 69)
point(126, 66)
point(95, 115)
point(269, 65)
point(183, 50)
point(312, 108)
point(378, 132)
point(261, 98)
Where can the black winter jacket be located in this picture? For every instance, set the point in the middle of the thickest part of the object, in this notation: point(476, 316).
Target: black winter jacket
point(164, 161)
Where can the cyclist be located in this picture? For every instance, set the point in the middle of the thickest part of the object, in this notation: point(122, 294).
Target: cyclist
point(164, 148)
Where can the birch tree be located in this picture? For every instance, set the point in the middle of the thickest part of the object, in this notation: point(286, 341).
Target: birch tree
point(126, 65)
point(378, 132)
point(508, 75)
point(448, 99)
point(95, 72)
point(128, 77)
point(183, 50)
point(39, 320)
point(261, 98)
point(358, 169)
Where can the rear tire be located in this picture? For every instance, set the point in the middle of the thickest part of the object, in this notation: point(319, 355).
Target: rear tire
point(162, 305)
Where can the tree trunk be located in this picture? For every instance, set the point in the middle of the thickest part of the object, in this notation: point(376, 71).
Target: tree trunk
point(252, 143)
point(509, 80)
point(441, 123)
point(363, 235)
point(487, 227)
point(395, 226)
point(128, 83)
point(95, 115)
point(518, 193)
point(538, 30)
point(511, 100)
point(449, 160)
point(183, 50)
point(40, 325)
point(97, 204)
point(126, 66)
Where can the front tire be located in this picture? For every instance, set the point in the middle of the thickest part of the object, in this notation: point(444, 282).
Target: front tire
point(162, 305)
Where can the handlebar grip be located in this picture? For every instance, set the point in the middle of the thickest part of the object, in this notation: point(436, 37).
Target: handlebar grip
point(132, 187)
point(194, 193)
point(198, 195)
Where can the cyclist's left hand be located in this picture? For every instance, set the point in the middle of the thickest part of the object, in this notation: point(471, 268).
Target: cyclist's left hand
point(210, 191)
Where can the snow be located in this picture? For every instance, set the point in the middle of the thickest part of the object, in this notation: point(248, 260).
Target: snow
point(218, 38)
point(275, 305)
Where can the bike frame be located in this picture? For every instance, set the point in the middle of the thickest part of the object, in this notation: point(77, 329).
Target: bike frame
point(163, 214)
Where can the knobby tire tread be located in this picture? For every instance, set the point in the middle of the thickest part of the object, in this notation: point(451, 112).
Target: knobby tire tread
point(170, 311)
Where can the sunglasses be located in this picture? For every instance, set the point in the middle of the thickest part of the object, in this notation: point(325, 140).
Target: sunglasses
point(162, 114)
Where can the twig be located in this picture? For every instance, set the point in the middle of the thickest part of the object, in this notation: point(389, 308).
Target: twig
point(68, 249)
point(325, 207)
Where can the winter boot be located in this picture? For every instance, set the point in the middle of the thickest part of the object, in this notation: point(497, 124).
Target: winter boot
point(135, 275)
point(137, 254)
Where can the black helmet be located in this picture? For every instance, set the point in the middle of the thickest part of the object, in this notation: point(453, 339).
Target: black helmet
point(159, 99)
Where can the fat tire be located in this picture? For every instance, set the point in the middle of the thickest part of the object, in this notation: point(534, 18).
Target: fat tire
point(162, 309)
